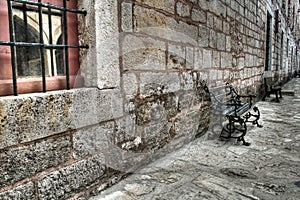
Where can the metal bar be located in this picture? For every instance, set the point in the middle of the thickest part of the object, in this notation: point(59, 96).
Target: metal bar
point(33, 9)
point(47, 46)
point(12, 47)
point(51, 41)
point(42, 49)
point(64, 8)
point(66, 49)
point(26, 38)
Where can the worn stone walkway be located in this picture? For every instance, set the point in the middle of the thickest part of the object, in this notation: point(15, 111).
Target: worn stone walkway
point(213, 169)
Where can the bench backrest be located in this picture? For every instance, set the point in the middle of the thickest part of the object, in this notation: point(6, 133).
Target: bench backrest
point(225, 99)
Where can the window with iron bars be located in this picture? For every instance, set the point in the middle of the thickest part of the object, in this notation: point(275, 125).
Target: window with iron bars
point(39, 48)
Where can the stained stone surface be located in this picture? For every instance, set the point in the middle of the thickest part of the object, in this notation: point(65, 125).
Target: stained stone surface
point(214, 169)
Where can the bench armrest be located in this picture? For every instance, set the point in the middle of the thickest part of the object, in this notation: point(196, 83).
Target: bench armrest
point(250, 97)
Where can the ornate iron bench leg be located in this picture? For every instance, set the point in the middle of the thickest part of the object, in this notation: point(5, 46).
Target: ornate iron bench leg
point(256, 117)
point(229, 129)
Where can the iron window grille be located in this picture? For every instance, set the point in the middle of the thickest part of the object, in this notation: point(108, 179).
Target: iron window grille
point(41, 10)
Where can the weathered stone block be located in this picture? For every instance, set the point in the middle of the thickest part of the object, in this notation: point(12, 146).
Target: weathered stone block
point(22, 162)
point(198, 16)
point(158, 83)
point(160, 108)
point(88, 141)
point(64, 183)
point(127, 24)
point(226, 60)
point(84, 106)
point(24, 116)
point(107, 44)
point(25, 191)
point(159, 25)
point(213, 39)
point(110, 104)
point(126, 128)
point(167, 5)
point(143, 53)
point(183, 10)
point(216, 59)
point(228, 43)
point(207, 58)
point(218, 24)
point(108, 62)
point(210, 20)
point(187, 81)
point(158, 135)
point(176, 57)
point(188, 124)
point(203, 39)
point(217, 8)
point(198, 59)
point(203, 5)
point(221, 41)
point(189, 55)
point(130, 85)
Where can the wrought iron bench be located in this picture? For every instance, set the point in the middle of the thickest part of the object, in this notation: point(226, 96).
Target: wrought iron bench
point(227, 103)
point(271, 89)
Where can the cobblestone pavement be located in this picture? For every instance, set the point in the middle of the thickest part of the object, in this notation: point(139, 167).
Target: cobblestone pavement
point(213, 169)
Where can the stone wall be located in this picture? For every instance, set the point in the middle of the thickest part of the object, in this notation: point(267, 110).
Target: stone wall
point(144, 75)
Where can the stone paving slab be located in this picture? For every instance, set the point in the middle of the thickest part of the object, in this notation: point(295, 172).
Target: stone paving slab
point(213, 169)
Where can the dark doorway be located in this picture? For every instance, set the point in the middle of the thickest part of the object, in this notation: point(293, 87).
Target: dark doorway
point(268, 55)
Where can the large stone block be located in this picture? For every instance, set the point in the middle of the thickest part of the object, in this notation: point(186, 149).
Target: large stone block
point(226, 60)
point(84, 106)
point(217, 7)
point(160, 108)
point(158, 83)
point(166, 5)
point(203, 39)
point(218, 24)
point(183, 10)
point(221, 42)
point(107, 44)
point(207, 58)
point(22, 162)
point(66, 182)
point(213, 39)
point(130, 85)
point(203, 4)
point(25, 191)
point(189, 57)
point(143, 53)
point(126, 129)
point(216, 61)
point(187, 82)
point(110, 104)
point(198, 59)
point(158, 135)
point(156, 24)
point(28, 117)
point(198, 16)
point(176, 57)
point(127, 17)
point(94, 139)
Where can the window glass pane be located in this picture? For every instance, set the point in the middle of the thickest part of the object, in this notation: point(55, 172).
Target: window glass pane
point(27, 27)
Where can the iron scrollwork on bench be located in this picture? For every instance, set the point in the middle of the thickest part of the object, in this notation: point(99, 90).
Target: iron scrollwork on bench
point(236, 108)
